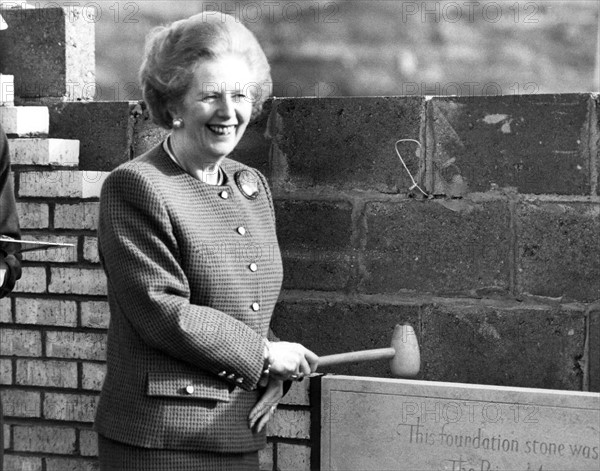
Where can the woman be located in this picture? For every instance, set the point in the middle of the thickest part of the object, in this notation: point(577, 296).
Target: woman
point(187, 240)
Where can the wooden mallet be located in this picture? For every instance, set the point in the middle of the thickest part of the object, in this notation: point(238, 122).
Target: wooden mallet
point(404, 355)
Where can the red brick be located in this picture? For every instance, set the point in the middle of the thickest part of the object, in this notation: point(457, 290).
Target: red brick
point(424, 246)
point(33, 215)
point(49, 373)
point(45, 312)
point(33, 280)
point(535, 143)
point(20, 342)
point(292, 457)
point(76, 216)
point(86, 346)
point(77, 281)
point(5, 371)
point(47, 183)
point(343, 143)
point(103, 128)
point(88, 443)
point(61, 183)
point(44, 439)
point(44, 151)
point(95, 314)
point(71, 464)
point(93, 376)
point(22, 463)
point(558, 252)
point(5, 310)
point(289, 423)
point(507, 344)
point(71, 407)
point(19, 403)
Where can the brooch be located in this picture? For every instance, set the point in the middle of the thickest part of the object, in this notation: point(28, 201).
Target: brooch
point(247, 183)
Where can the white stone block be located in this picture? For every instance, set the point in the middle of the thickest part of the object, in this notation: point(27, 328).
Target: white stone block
point(61, 184)
point(44, 151)
point(25, 120)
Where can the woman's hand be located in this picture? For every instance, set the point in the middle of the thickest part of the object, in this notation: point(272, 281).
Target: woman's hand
point(264, 409)
point(291, 360)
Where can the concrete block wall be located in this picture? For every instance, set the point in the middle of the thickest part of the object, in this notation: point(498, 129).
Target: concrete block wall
point(498, 271)
point(499, 275)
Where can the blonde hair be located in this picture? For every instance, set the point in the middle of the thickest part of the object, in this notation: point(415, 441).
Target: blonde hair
point(172, 53)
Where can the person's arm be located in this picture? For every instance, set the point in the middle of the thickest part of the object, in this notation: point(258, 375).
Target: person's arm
point(10, 261)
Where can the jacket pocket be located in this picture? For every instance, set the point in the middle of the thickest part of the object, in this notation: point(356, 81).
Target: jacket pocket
point(186, 386)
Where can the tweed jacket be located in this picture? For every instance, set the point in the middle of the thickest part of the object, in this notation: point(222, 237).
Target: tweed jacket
point(194, 272)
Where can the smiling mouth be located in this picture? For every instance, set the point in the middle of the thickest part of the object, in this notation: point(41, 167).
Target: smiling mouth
point(221, 130)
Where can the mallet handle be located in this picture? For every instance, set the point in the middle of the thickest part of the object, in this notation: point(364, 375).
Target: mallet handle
point(361, 355)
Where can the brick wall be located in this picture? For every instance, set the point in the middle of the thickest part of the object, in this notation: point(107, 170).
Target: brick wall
point(499, 273)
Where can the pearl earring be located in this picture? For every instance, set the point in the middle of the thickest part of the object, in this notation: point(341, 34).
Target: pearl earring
point(178, 123)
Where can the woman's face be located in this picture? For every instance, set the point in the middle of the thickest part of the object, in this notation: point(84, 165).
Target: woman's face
point(216, 109)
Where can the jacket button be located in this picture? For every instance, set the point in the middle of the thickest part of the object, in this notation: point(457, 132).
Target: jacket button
point(189, 389)
point(255, 306)
point(222, 373)
point(253, 267)
point(224, 195)
point(240, 380)
point(241, 230)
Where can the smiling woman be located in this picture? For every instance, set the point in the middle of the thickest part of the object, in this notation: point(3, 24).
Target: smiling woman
point(191, 378)
point(212, 116)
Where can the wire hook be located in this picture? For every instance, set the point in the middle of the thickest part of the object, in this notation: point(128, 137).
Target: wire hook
point(414, 183)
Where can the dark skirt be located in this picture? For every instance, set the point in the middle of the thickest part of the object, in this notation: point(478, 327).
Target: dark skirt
point(116, 456)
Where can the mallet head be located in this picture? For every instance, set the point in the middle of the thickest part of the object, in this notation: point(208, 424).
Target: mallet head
point(406, 363)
